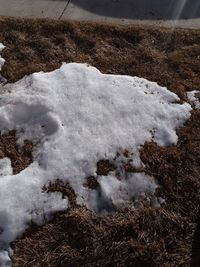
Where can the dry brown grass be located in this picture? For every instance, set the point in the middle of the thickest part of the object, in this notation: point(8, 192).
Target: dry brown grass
point(170, 58)
point(20, 157)
point(142, 237)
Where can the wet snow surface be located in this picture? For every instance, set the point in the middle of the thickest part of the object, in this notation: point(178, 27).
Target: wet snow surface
point(76, 116)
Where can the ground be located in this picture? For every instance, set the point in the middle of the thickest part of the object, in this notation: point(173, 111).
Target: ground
point(146, 236)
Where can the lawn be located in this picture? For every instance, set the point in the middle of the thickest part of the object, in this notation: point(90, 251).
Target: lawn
point(140, 237)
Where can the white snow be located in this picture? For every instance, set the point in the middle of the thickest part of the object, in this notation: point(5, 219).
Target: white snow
point(118, 192)
point(5, 260)
point(1, 59)
point(76, 116)
point(5, 167)
point(193, 99)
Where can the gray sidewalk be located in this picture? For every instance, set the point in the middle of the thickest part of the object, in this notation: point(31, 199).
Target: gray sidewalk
point(172, 13)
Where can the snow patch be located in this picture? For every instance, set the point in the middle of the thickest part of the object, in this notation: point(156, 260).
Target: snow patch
point(76, 116)
point(1, 59)
point(119, 193)
point(5, 260)
point(5, 167)
point(193, 99)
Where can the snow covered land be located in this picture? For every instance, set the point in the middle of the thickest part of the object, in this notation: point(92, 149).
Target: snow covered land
point(76, 116)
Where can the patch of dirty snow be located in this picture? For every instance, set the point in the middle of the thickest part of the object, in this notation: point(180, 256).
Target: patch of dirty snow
point(76, 116)
point(193, 99)
point(2, 61)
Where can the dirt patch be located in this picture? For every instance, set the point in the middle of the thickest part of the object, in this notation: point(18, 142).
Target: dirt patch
point(91, 183)
point(141, 237)
point(104, 167)
point(21, 157)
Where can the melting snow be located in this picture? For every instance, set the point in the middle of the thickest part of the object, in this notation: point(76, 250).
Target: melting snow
point(193, 99)
point(76, 116)
point(1, 59)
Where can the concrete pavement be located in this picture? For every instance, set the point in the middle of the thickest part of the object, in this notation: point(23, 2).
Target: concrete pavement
point(32, 8)
point(172, 13)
